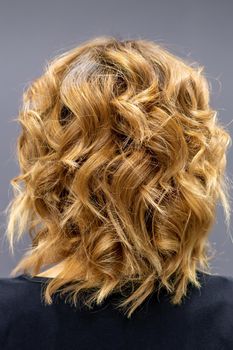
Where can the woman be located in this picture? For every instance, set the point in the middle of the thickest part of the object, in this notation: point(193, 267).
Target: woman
point(122, 162)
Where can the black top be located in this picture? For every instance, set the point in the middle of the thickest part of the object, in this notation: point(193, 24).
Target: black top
point(204, 321)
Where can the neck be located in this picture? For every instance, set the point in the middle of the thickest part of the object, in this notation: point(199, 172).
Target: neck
point(52, 272)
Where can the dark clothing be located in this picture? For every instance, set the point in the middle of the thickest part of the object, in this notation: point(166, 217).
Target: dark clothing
point(204, 321)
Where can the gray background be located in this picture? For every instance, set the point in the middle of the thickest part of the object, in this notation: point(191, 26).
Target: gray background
point(33, 31)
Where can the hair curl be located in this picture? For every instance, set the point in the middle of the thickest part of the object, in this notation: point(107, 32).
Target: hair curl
point(122, 162)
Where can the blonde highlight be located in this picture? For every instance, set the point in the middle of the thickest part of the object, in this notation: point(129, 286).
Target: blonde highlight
point(122, 163)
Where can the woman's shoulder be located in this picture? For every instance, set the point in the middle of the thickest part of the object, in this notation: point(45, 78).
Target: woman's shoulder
point(10, 285)
point(210, 304)
point(219, 284)
point(215, 289)
point(15, 297)
point(16, 292)
point(19, 295)
point(216, 284)
point(215, 278)
point(20, 290)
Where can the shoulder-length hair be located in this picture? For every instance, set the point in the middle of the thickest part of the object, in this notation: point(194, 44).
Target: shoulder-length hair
point(122, 162)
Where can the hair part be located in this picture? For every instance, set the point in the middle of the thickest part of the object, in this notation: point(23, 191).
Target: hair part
point(122, 163)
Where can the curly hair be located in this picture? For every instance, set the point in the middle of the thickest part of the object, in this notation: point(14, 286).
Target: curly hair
point(122, 162)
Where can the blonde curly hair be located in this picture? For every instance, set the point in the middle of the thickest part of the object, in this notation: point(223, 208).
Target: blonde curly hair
point(122, 162)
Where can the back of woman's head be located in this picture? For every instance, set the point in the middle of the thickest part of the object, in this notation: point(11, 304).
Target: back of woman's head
point(122, 163)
